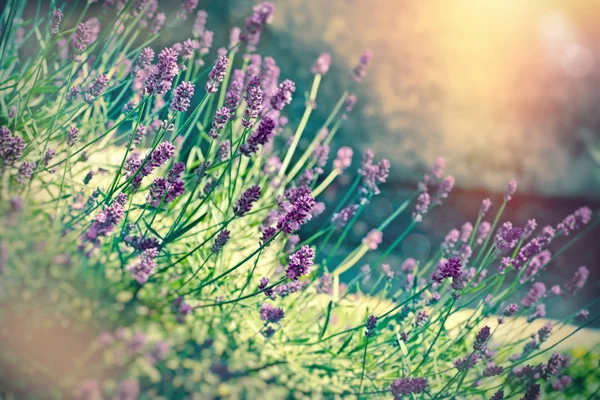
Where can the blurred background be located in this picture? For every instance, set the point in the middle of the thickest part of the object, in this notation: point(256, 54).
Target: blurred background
point(501, 88)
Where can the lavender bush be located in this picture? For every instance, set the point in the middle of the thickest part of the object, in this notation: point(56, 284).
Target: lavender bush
point(152, 204)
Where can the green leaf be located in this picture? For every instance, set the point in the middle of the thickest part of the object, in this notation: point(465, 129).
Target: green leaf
point(326, 320)
point(45, 89)
point(346, 343)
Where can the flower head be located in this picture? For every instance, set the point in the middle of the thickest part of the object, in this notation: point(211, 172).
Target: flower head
point(245, 202)
point(300, 262)
point(182, 96)
point(160, 80)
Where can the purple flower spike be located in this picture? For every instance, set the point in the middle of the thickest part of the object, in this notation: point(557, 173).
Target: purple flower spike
point(72, 136)
point(373, 239)
point(55, 21)
point(406, 386)
point(245, 202)
point(299, 263)
point(160, 80)
point(182, 96)
point(578, 280)
point(575, 221)
point(82, 36)
point(144, 266)
point(344, 159)
point(221, 117)
point(199, 23)
point(482, 338)
point(268, 313)
point(11, 147)
point(259, 137)
point(262, 15)
point(510, 190)
point(371, 326)
point(283, 95)
point(449, 269)
point(220, 241)
point(254, 100)
point(187, 7)
point(485, 207)
point(217, 74)
point(236, 86)
point(98, 85)
point(158, 23)
point(322, 64)
point(422, 206)
point(359, 72)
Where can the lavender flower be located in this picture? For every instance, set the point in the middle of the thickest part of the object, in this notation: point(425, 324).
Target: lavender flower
point(507, 237)
point(217, 74)
point(532, 393)
point(262, 15)
point(260, 136)
point(359, 72)
point(321, 65)
point(199, 23)
point(82, 37)
point(55, 21)
point(373, 239)
point(444, 189)
point(283, 95)
point(271, 314)
point(422, 206)
point(324, 285)
point(98, 85)
point(408, 265)
point(106, 221)
point(406, 386)
point(297, 215)
point(299, 263)
point(374, 174)
point(340, 219)
point(482, 232)
point(245, 202)
point(526, 253)
point(510, 190)
point(492, 370)
point(449, 269)
point(467, 363)
point(11, 147)
point(575, 221)
point(25, 171)
point(562, 383)
point(187, 7)
point(578, 280)
point(529, 228)
point(221, 117)
point(511, 309)
point(536, 292)
point(188, 48)
point(482, 338)
point(236, 86)
point(485, 206)
point(72, 136)
point(421, 318)
point(220, 241)
point(254, 100)
point(158, 23)
point(262, 286)
point(160, 80)
point(370, 326)
point(224, 150)
point(499, 395)
point(144, 266)
point(73, 93)
point(182, 96)
point(344, 159)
